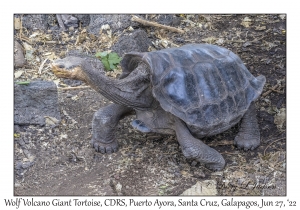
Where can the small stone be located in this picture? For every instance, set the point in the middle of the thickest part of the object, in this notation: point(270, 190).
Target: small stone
point(26, 152)
point(69, 95)
point(27, 165)
point(17, 184)
point(16, 128)
point(80, 94)
point(207, 187)
point(118, 187)
point(246, 44)
point(19, 59)
point(199, 174)
point(21, 142)
point(194, 163)
point(18, 165)
point(130, 28)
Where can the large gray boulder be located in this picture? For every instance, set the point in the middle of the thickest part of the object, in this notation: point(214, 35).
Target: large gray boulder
point(35, 103)
point(37, 21)
point(117, 23)
point(137, 41)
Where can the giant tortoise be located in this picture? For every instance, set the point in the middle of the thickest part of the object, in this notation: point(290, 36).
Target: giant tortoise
point(193, 91)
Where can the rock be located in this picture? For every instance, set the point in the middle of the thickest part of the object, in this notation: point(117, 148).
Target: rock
point(171, 20)
point(21, 142)
point(137, 41)
point(18, 165)
point(84, 19)
point(69, 95)
point(117, 23)
point(35, 101)
point(279, 118)
point(54, 28)
point(27, 165)
point(207, 187)
point(72, 83)
point(68, 21)
point(19, 59)
point(17, 129)
point(40, 22)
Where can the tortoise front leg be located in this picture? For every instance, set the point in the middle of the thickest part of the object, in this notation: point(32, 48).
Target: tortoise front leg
point(104, 126)
point(195, 149)
point(249, 135)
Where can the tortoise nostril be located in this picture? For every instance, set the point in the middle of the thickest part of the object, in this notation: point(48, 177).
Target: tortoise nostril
point(61, 66)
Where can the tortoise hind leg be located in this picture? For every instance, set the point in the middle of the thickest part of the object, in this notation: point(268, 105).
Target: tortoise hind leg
point(249, 135)
point(195, 149)
point(104, 126)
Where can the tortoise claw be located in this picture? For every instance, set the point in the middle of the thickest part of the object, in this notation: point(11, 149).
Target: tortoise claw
point(105, 147)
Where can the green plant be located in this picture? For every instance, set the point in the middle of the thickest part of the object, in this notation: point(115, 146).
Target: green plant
point(109, 60)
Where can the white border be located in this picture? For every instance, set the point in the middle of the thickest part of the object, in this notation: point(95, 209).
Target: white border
point(154, 6)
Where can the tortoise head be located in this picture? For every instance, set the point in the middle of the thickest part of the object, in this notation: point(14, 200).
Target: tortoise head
point(69, 67)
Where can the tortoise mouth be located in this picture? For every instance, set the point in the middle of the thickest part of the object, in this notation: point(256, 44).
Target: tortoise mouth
point(60, 72)
point(72, 73)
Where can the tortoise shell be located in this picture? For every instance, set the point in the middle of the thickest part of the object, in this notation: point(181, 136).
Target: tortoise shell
point(203, 84)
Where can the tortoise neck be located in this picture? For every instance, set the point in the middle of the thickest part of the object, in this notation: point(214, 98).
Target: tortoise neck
point(132, 91)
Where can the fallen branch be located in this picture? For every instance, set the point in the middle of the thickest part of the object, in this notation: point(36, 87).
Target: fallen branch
point(221, 143)
point(149, 23)
point(20, 34)
point(272, 143)
point(60, 22)
point(74, 88)
point(25, 39)
point(270, 90)
point(87, 48)
point(50, 42)
point(42, 66)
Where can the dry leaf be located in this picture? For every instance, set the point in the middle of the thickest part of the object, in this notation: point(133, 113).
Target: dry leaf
point(29, 51)
point(35, 34)
point(220, 41)
point(81, 37)
point(260, 28)
point(75, 98)
point(238, 174)
point(209, 40)
point(63, 136)
point(51, 121)
point(282, 17)
point(246, 22)
point(247, 19)
point(280, 118)
point(18, 74)
point(52, 56)
point(207, 187)
point(164, 43)
point(18, 24)
point(42, 66)
point(269, 45)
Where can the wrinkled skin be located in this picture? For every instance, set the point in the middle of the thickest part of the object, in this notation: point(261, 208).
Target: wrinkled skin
point(133, 92)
